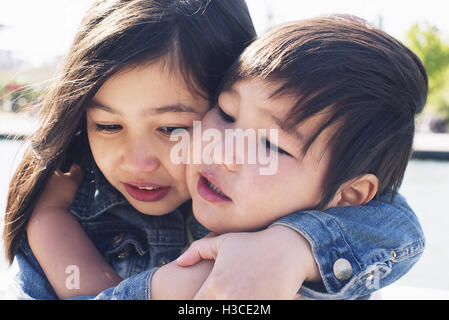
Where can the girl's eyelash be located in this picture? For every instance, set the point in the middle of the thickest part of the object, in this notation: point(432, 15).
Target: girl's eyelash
point(226, 117)
point(271, 146)
point(169, 130)
point(107, 127)
point(111, 128)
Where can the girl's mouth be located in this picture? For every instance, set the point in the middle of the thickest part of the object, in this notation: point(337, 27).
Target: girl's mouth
point(210, 192)
point(146, 192)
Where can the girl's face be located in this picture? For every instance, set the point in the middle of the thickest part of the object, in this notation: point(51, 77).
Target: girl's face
point(247, 200)
point(129, 122)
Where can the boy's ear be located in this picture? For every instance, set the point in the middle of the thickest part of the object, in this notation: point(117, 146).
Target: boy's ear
point(356, 192)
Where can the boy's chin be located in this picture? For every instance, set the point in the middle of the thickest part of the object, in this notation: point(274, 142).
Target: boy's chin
point(209, 223)
point(217, 226)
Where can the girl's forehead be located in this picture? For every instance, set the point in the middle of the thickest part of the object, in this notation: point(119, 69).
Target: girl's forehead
point(148, 86)
point(170, 66)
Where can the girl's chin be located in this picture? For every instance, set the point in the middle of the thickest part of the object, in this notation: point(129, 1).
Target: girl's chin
point(167, 204)
point(152, 209)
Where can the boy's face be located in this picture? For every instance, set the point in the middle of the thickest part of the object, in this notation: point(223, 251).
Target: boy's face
point(249, 200)
point(129, 123)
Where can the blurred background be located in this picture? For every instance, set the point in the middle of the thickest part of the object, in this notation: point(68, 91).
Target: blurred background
point(35, 36)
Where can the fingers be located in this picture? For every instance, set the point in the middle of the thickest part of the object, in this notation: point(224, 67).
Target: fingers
point(203, 249)
point(211, 234)
point(76, 173)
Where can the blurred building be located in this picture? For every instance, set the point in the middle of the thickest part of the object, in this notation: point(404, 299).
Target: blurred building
point(8, 61)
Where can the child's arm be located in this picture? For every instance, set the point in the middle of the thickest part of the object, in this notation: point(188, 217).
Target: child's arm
point(71, 263)
point(64, 251)
point(254, 265)
point(172, 282)
point(357, 249)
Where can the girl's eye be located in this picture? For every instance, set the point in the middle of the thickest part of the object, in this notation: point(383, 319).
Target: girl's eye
point(226, 117)
point(273, 147)
point(109, 128)
point(169, 130)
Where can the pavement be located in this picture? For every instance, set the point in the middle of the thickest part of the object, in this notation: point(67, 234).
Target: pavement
point(434, 146)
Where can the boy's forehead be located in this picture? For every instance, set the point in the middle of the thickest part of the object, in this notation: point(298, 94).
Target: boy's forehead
point(264, 100)
point(262, 94)
point(265, 87)
point(284, 108)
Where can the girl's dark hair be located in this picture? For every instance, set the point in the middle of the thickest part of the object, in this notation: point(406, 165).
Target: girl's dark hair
point(369, 84)
point(199, 38)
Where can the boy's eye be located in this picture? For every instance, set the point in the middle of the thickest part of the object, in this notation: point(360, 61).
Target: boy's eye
point(169, 130)
point(109, 128)
point(226, 117)
point(273, 147)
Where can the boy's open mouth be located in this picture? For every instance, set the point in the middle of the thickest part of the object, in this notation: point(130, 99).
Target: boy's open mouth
point(210, 191)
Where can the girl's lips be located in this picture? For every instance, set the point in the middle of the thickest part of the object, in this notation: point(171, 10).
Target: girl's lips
point(146, 192)
point(207, 193)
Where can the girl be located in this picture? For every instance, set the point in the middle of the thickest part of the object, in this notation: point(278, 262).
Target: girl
point(180, 49)
point(132, 243)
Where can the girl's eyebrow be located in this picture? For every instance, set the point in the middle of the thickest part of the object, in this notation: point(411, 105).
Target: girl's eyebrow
point(176, 108)
point(98, 105)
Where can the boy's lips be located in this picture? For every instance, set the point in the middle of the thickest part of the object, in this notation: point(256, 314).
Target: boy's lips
point(209, 189)
point(145, 191)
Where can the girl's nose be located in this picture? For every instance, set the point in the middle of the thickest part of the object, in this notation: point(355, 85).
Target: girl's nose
point(139, 159)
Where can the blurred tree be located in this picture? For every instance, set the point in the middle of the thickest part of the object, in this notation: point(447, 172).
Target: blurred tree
point(426, 41)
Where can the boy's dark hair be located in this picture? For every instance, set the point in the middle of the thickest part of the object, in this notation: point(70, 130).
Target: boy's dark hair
point(368, 83)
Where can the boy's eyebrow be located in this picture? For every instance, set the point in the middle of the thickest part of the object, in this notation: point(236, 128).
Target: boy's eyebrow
point(176, 108)
point(280, 123)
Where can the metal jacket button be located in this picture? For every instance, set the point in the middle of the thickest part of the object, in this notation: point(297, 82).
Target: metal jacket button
point(342, 269)
point(121, 256)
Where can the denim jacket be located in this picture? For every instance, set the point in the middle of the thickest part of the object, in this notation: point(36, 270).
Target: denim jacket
point(357, 249)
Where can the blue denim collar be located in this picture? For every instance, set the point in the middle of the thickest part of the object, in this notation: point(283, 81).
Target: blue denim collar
point(95, 194)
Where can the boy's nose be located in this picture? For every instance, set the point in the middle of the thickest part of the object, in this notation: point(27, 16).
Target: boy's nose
point(233, 153)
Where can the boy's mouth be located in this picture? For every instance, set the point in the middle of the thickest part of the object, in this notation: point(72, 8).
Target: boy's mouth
point(210, 191)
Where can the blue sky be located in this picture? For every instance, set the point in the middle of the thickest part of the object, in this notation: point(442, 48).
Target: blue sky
point(40, 30)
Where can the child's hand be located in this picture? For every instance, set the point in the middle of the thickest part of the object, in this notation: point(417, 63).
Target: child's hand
point(60, 190)
point(269, 264)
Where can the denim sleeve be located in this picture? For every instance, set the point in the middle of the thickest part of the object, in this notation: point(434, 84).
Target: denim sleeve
point(133, 288)
point(30, 281)
point(359, 249)
point(32, 284)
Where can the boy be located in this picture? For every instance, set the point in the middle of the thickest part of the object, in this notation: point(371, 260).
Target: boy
point(343, 96)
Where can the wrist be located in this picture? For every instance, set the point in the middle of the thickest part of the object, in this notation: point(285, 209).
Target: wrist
point(301, 251)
